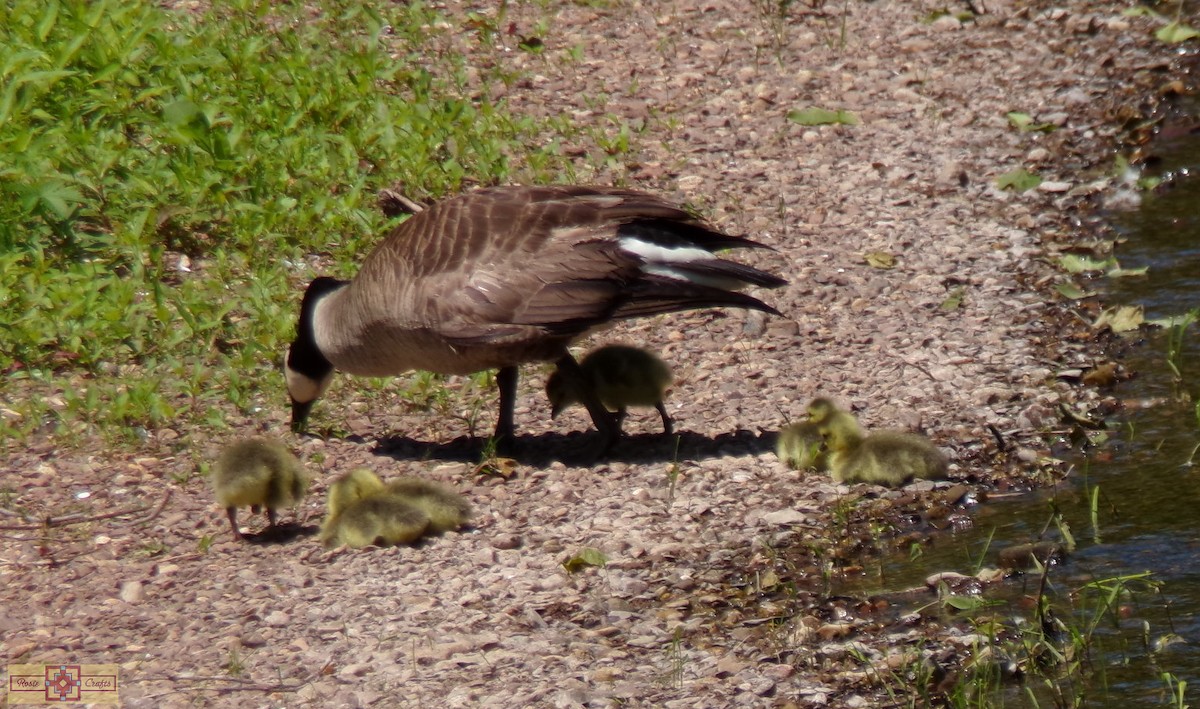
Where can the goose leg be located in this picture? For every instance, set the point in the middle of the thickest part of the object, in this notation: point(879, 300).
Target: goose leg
point(606, 423)
point(662, 411)
point(506, 382)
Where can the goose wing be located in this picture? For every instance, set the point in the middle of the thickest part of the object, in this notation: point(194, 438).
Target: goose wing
point(494, 263)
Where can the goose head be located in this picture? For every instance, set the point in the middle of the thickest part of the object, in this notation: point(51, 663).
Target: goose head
point(307, 370)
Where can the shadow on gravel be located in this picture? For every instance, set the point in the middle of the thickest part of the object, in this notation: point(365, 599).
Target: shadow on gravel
point(281, 533)
point(580, 449)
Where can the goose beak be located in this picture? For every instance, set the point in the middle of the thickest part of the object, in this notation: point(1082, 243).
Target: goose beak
point(555, 410)
point(300, 411)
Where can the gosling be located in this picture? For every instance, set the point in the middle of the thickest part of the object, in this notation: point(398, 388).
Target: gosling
point(447, 510)
point(257, 472)
point(362, 512)
point(822, 412)
point(621, 376)
point(801, 445)
point(889, 458)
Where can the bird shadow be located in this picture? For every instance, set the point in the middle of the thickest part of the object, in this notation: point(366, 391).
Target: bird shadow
point(584, 449)
point(281, 533)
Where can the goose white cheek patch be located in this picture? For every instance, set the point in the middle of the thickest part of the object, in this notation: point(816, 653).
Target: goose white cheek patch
point(302, 389)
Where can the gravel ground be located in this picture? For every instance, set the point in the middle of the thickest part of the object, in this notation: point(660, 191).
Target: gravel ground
point(712, 592)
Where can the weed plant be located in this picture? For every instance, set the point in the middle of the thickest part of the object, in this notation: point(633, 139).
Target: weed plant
point(168, 181)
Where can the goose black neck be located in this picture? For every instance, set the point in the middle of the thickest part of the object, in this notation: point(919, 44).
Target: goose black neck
point(305, 356)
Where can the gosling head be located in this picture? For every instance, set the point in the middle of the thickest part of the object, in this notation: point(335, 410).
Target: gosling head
point(358, 484)
point(559, 394)
point(307, 370)
point(820, 409)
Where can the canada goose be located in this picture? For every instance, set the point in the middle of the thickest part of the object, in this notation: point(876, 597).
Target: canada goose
point(363, 512)
point(447, 510)
point(889, 458)
point(258, 472)
point(498, 277)
point(622, 377)
point(801, 445)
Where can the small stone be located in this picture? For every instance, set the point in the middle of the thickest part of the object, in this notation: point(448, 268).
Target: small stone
point(277, 619)
point(831, 631)
point(785, 517)
point(946, 23)
point(506, 541)
point(1052, 186)
point(131, 591)
point(357, 669)
point(252, 640)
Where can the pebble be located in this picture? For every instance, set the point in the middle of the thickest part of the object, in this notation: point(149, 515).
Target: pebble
point(131, 591)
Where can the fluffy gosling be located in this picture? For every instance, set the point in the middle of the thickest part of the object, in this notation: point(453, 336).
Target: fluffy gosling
point(362, 512)
point(355, 485)
point(447, 510)
point(382, 520)
point(889, 458)
point(621, 376)
point(257, 472)
point(801, 445)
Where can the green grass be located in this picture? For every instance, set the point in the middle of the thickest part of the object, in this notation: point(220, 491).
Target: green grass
point(246, 143)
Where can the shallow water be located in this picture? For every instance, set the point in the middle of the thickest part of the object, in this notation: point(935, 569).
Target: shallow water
point(1148, 512)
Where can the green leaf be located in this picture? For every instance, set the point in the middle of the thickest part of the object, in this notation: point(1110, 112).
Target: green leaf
point(1020, 179)
point(1024, 123)
point(588, 556)
point(1070, 291)
point(880, 259)
point(54, 196)
point(533, 45)
point(1176, 320)
point(1119, 272)
point(821, 116)
point(964, 603)
point(1174, 33)
point(954, 300)
point(182, 112)
point(1121, 318)
point(1075, 263)
point(1140, 11)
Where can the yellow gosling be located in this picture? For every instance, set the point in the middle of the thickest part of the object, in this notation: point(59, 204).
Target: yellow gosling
point(447, 510)
point(889, 458)
point(355, 485)
point(622, 377)
point(381, 519)
point(801, 445)
point(257, 472)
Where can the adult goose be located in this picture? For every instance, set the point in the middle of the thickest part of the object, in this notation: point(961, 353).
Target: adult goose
point(506, 275)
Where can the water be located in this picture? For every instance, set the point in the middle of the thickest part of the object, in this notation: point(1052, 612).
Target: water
point(1147, 516)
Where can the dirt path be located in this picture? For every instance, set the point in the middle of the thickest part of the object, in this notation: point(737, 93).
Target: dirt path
point(711, 596)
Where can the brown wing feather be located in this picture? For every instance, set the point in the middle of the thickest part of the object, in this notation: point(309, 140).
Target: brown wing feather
point(480, 247)
point(501, 224)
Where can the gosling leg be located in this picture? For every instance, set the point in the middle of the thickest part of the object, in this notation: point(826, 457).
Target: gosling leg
point(668, 428)
point(232, 513)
